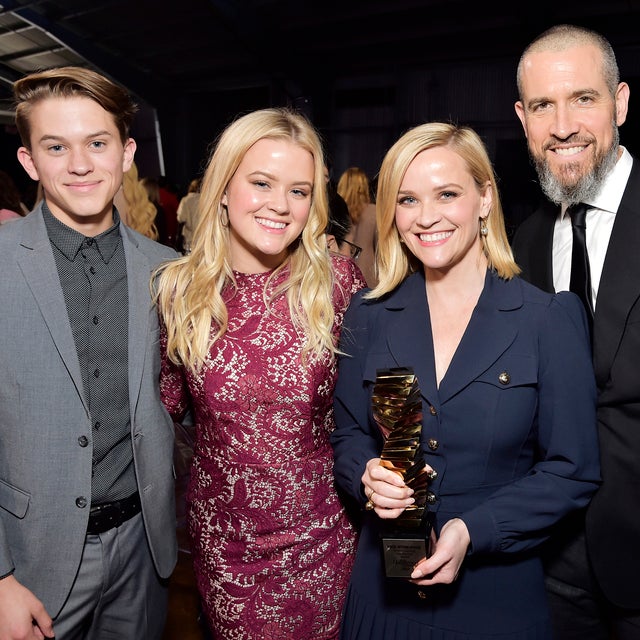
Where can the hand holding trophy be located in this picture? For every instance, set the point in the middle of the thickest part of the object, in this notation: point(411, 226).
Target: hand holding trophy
point(397, 410)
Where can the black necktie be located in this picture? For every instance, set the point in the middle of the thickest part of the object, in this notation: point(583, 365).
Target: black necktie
point(580, 273)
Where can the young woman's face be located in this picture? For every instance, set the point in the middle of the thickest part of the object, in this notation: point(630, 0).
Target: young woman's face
point(268, 200)
point(438, 210)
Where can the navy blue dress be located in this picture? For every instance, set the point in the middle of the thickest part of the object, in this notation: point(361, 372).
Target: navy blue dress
point(512, 429)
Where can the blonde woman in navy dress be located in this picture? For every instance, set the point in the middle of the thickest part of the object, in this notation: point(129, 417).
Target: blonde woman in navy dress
point(508, 404)
point(251, 321)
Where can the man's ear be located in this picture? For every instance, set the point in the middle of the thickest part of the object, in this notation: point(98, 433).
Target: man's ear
point(26, 160)
point(622, 103)
point(520, 112)
point(129, 151)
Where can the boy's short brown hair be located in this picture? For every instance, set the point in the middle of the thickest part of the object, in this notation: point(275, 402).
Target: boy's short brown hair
point(68, 82)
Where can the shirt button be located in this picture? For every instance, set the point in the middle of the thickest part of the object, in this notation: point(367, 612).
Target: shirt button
point(432, 410)
point(95, 320)
point(81, 502)
point(83, 441)
point(89, 241)
point(96, 373)
point(433, 444)
point(422, 595)
point(97, 425)
point(92, 269)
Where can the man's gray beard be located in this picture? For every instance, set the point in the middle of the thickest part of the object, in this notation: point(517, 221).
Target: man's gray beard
point(587, 187)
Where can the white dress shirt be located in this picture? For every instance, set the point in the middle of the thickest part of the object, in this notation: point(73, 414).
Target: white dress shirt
point(601, 215)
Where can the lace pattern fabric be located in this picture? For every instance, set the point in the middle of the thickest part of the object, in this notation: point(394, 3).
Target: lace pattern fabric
point(272, 545)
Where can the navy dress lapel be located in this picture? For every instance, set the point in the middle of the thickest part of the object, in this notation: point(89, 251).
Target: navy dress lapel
point(409, 339)
point(487, 336)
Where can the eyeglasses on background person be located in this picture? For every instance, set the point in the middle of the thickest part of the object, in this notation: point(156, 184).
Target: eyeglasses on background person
point(354, 249)
point(343, 247)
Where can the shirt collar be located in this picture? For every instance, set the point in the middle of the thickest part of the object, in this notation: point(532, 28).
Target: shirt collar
point(612, 189)
point(69, 241)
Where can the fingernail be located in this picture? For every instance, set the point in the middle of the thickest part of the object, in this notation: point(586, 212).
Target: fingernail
point(416, 574)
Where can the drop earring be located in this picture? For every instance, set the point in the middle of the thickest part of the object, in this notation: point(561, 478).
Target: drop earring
point(224, 216)
point(484, 230)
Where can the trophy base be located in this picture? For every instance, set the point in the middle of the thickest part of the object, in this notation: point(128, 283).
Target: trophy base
point(402, 550)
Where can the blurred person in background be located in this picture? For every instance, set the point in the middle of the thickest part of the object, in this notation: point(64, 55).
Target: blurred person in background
point(11, 206)
point(188, 214)
point(134, 206)
point(153, 192)
point(354, 187)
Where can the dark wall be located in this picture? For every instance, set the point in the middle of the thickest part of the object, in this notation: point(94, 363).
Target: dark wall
point(9, 144)
point(190, 125)
point(358, 116)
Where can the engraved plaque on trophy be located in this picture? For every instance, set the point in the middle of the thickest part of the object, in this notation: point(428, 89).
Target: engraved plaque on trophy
point(397, 410)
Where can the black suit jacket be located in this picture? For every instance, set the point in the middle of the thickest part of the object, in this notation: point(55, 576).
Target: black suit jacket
point(613, 517)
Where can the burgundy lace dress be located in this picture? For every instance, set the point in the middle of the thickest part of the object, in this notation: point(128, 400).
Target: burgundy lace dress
point(272, 546)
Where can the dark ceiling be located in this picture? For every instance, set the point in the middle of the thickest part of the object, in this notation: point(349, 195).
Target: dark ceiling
point(160, 48)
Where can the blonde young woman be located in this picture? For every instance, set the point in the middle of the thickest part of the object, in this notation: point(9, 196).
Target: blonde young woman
point(508, 404)
point(251, 320)
point(355, 188)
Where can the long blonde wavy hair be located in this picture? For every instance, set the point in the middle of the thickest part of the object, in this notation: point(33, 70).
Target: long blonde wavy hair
point(189, 288)
point(395, 261)
point(355, 189)
point(141, 212)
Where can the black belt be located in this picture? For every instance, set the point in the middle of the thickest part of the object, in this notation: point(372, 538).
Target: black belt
point(108, 515)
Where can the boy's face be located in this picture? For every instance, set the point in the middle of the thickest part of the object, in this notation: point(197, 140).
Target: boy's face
point(78, 156)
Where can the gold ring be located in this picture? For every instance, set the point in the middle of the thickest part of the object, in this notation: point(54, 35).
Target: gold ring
point(369, 506)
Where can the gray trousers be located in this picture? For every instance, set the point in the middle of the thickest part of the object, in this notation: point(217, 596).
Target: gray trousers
point(117, 594)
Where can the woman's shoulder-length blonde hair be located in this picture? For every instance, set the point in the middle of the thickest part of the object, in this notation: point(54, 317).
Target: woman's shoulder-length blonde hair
point(355, 189)
point(189, 288)
point(395, 261)
point(140, 211)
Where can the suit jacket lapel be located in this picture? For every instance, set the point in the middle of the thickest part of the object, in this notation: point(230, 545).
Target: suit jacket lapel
point(541, 239)
point(138, 278)
point(36, 261)
point(619, 285)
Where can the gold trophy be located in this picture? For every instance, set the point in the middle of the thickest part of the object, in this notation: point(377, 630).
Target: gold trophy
point(397, 410)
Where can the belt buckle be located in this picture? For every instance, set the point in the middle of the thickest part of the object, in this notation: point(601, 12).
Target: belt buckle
point(111, 512)
point(106, 516)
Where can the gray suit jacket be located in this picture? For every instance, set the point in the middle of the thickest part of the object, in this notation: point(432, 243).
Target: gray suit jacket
point(45, 463)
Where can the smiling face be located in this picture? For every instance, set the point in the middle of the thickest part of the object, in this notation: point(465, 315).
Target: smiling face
point(570, 119)
point(78, 156)
point(438, 211)
point(268, 200)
